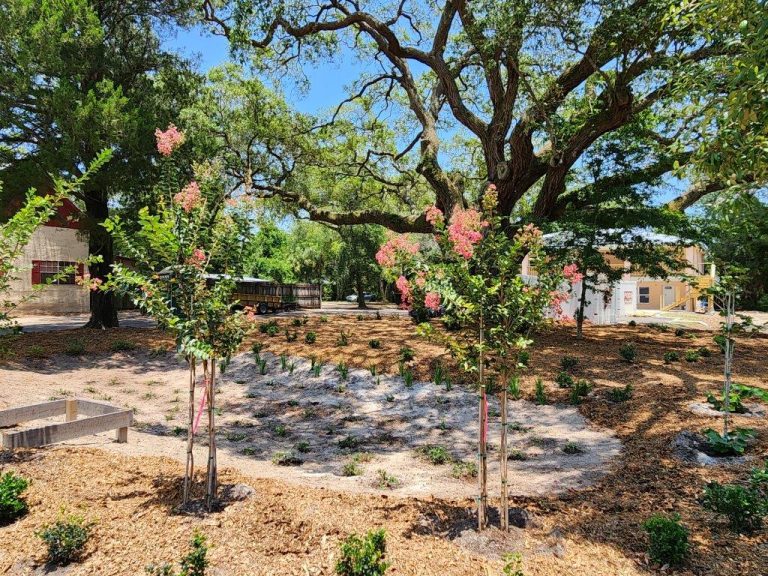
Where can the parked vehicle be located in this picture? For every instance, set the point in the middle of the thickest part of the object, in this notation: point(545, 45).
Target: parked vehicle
point(367, 296)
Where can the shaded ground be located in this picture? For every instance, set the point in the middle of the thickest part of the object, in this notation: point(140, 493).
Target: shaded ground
point(596, 530)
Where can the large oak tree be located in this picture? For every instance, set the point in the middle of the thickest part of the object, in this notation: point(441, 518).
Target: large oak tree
point(468, 92)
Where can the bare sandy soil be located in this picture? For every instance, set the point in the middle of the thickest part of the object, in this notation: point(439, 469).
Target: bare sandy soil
point(327, 422)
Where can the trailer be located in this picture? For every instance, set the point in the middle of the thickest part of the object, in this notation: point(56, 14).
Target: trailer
point(267, 296)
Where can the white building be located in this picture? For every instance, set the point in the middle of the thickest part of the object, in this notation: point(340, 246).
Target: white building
point(57, 245)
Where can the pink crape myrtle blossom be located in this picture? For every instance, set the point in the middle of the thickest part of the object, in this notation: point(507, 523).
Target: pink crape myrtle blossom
point(572, 274)
point(189, 197)
point(93, 284)
point(465, 231)
point(421, 279)
point(168, 140)
point(404, 287)
point(435, 216)
point(556, 300)
point(397, 244)
point(432, 301)
point(529, 233)
point(197, 259)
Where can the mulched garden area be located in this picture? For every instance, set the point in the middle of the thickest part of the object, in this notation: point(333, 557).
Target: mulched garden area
point(288, 530)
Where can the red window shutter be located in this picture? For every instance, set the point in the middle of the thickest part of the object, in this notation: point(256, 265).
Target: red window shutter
point(80, 269)
point(36, 279)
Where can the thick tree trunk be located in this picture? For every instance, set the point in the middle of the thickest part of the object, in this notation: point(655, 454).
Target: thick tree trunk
point(360, 294)
point(103, 304)
point(580, 312)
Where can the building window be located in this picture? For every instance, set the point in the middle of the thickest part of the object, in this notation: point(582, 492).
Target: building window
point(645, 295)
point(52, 271)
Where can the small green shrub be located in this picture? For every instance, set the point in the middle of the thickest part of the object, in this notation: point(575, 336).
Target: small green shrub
point(523, 358)
point(517, 455)
point(628, 352)
point(343, 339)
point(375, 343)
point(691, 356)
point(310, 337)
point(564, 380)
point(316, 367)
point(744, 507)
point(268, 327)
point(513, 388)
point(513, 564)
point(324, 318)
point(568, 362)
point(303, 447)
point(121, 345)
point(408, 377)
point(407, 354)
point(385, 480)
point(75, 347)
point(360, 317)
point(363, 556)
point(349, 443)
point(620, 394)
point(291, 336)
point(667, 539)
point(280, 431)
point(679, 332)
point(671, 356)
point(632, 323)
point(704, 352)
point(12, 505)
point(464, 469)
point(287, 458)
point(351, 468)
point(36, 351)
point(572, 448)
point(257, 347)
point(296, 322)
point(540, 395)
point(580, 390)
point(435, 454)
point(343, 370)
point(66, 538)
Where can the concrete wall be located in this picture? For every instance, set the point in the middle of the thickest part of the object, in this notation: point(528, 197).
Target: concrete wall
point(52, 244)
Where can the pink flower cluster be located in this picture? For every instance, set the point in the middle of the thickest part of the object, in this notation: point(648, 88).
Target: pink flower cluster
point(404, 287)
point(529, 233)
point(197, 259)
point(189, 197)
point(93, 284)
point(435, 216)
point(556, 300)
point(397, 244)
point(432, 300)
point(572, 274)
point(169, 140)
point(465, 231)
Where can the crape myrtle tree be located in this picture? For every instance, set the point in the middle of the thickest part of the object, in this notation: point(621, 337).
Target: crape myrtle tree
point(478, 281)
point(453, 94)
point(78, 76)
point(174, 248)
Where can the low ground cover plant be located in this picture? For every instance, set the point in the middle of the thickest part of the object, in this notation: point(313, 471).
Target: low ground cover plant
point(343, 339)
point(375, 343)
point(75, 347)
point(193, 564)
point(732, 443)
point(513, 388)
point(620, 394)
point(310, 337)
point(691, 356)
point(564, 380)
point(435, 454)
point(386, 480)
point(671, 356)
point(628, 352)
point(66, 539)
point(407, 354)
point(734, 403)
point(464, 469)
point(286, 458)
point(540, 394)
point(580, 389)
point(121, 345)
point(363, 556)
point(568, 362)
point(744, 507)
point(12, 504)
point(667, 539)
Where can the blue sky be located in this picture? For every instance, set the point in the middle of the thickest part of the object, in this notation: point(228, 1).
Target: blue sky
point(326, 81)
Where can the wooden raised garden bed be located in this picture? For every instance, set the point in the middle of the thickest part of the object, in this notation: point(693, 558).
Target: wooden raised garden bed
point(99, 417)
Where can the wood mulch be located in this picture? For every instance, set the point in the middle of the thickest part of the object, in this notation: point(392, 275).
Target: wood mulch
point(291, 530)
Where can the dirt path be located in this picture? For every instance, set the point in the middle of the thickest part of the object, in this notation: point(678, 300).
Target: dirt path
point(373, 425)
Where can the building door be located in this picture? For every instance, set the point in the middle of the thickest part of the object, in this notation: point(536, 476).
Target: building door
point(669, 296)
